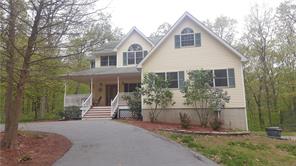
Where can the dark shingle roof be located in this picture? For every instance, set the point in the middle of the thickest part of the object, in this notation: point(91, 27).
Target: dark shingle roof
point(110, 46)
point(104, 71)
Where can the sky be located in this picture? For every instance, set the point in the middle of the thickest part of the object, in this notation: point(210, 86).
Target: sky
point(147, 15)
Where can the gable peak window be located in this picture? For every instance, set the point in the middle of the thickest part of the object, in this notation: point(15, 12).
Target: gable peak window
point(134, 55)
point(135, 47)
point(187, 38)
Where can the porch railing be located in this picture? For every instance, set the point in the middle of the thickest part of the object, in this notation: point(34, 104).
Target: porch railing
point(86, 105)
point(75, 99)
point(115, 104)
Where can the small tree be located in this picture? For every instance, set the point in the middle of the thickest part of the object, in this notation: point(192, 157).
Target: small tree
point(134, 103)
point(155, 93)
point(198, 93)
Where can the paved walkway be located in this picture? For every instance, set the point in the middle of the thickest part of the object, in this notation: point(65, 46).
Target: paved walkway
point(111, 143)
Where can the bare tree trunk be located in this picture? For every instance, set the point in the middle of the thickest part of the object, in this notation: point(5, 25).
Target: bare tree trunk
point(9, 139)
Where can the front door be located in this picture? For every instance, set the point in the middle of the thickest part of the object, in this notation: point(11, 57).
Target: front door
point(111, 91)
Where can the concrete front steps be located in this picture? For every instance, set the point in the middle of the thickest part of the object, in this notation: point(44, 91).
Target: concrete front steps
point(98, 112)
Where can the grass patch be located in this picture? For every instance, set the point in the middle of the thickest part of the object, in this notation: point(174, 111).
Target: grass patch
point(250, 150)
point(288, 148)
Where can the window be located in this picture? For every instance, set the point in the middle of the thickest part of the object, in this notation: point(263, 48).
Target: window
point(222, 78)
point(135, 47)
point(131, 58)
point(131, 87)
point(175, 79)
point(108, 60)
point(187, 38)
point(134, 55)
point(139, 57)
point(92, 64)
point(172, 78)
point(104, 60)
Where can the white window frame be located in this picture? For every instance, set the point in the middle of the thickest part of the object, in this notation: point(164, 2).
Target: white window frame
point(108, 62)
point(227, 77)
point(187, 34)
point(135, 56)
point(166, 79)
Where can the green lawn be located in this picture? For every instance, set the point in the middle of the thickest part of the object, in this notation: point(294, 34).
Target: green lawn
point(254, 149)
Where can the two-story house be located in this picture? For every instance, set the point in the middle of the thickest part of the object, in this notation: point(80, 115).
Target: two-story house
point(118, 67)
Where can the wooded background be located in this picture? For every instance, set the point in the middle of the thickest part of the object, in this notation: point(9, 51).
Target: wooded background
point(268, 39)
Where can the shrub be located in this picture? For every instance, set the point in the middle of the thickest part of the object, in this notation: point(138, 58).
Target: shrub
point(185, 120)
point(204, 99)
point(134, 103)
point(71, 112)
point(156, 93)
point(216, 123)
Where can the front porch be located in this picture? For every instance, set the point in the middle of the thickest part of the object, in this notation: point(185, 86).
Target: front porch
point(106, 91)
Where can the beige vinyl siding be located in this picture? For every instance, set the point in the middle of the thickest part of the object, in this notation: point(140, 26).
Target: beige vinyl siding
point(211, 55)
point(132, 39)
point(98, 61)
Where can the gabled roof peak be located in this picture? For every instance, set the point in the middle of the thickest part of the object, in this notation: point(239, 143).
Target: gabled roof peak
point(133, 29)
point(191, 17)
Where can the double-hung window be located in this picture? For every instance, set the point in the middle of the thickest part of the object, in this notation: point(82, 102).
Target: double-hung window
point(134, 55)
point(187, 38)
point(108, 60)
point(175, 79)
point(222, 78)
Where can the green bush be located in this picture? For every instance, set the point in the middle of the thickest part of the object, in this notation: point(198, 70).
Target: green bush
point(71, 113)
point(134, 103)
point(185, 120)
point(216, 124)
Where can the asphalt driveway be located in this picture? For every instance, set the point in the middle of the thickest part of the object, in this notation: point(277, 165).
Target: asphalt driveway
point(111, 143)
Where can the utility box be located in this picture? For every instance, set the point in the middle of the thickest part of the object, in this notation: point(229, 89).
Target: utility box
point(274, 132)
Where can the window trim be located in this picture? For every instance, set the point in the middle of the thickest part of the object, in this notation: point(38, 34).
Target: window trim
point(135, 56)
point(181, 45)
point(184, 34)
point(108, 61)
point(227, 78)
point(178, 77)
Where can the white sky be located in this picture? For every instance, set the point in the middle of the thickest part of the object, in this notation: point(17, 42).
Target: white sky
point(147, 15)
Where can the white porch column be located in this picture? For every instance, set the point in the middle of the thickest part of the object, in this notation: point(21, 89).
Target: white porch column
point(91, 85)
point(91, 90)
point(118, 85)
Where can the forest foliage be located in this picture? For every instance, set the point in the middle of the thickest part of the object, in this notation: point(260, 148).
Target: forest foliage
point(268, 40)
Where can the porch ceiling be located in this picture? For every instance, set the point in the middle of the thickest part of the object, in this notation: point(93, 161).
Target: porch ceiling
point(106, 73)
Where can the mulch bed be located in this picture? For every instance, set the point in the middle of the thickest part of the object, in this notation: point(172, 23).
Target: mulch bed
point(159, 126)
point(176, 128)
point(35, 148)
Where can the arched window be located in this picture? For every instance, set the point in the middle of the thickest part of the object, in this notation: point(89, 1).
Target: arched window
point(134, 55)
point(135, 47)
point(186, 31)
point(187, 37)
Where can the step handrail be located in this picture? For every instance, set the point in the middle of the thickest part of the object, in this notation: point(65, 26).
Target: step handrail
point(114, 104)
point(86, 105)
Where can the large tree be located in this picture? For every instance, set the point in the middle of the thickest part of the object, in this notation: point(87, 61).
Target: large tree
point(224, 27)
point(161, 30)
point(35, 31)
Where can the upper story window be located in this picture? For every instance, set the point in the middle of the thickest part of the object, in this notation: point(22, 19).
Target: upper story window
point(108, 60)
point(134, 55)
point(92, 63)
point(187, 38)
